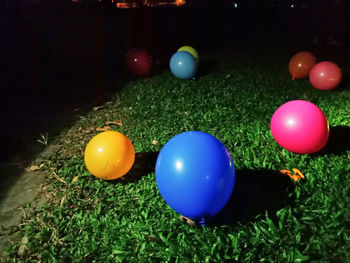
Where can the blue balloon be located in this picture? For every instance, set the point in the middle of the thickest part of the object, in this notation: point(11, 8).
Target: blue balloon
point(183, 65)
point(195, 174)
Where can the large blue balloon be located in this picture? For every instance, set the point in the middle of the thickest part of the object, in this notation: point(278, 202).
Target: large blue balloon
point(195, 174)
point(183, 65)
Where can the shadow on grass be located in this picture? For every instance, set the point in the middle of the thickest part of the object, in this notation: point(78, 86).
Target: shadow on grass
point(51, 79)
point(338, 141)
point(255, 192)
point(206, 66)
point(345, 82)
point(144, 164)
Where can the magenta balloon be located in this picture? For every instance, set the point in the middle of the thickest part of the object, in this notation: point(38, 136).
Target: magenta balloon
point(325, 75)
point(300, 127)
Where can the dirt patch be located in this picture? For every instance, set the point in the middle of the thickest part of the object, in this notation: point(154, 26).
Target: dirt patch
point(20, 193)
point(13, 205)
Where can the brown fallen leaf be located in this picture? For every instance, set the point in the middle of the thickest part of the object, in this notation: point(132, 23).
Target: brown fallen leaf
point(86, 131)
point(155, 142)
point(117, 122)
point(57, 177)
point(23, 247)
point(62, 201)
point(75, 179)
point(83, 130)
point(187, 220)
point(228, 76)
point(23, 211)
point(152, 239)
point(4, 227)
point(97, 108)
point(105, 128)
point(33, 168)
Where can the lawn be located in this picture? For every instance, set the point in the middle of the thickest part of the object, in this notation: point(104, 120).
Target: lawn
point(269, 218)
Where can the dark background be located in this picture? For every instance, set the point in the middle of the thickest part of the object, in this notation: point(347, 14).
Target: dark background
point(57, 55)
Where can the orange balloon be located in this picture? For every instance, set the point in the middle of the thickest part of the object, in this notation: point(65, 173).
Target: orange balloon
point(301, 64)
point(109, 155)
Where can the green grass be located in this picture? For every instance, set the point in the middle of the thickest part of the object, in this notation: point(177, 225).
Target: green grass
point(90, 220)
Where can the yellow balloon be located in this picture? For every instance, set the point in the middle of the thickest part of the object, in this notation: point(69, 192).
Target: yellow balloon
point(109, 155)
point(191, 50)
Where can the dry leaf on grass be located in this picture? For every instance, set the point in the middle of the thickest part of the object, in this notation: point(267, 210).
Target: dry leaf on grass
point(75, 179)
point(105, 128)
point(97, 108)
point(34, 168)
point(23, 211)
point(155, 142)
point(117, 122)
point(152, 239)
point(23, 247)
point(62, 201)
point(228, 76)
point(58, 178)
point(187, 220)
point(86, 130)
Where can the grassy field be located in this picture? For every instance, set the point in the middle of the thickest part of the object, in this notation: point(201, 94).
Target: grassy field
point(269, 218)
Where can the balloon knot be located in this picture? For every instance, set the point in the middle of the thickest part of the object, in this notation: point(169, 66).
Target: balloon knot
point(202, 222)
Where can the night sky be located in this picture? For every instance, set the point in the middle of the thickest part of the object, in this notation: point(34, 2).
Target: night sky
point(51, 50)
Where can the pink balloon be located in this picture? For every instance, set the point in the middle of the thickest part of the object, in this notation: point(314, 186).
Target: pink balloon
point(300, 127)
point(325, 75)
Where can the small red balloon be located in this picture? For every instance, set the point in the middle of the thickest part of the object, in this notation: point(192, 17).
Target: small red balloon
point(325, 75)
point(300, 64)
point(139, 62)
